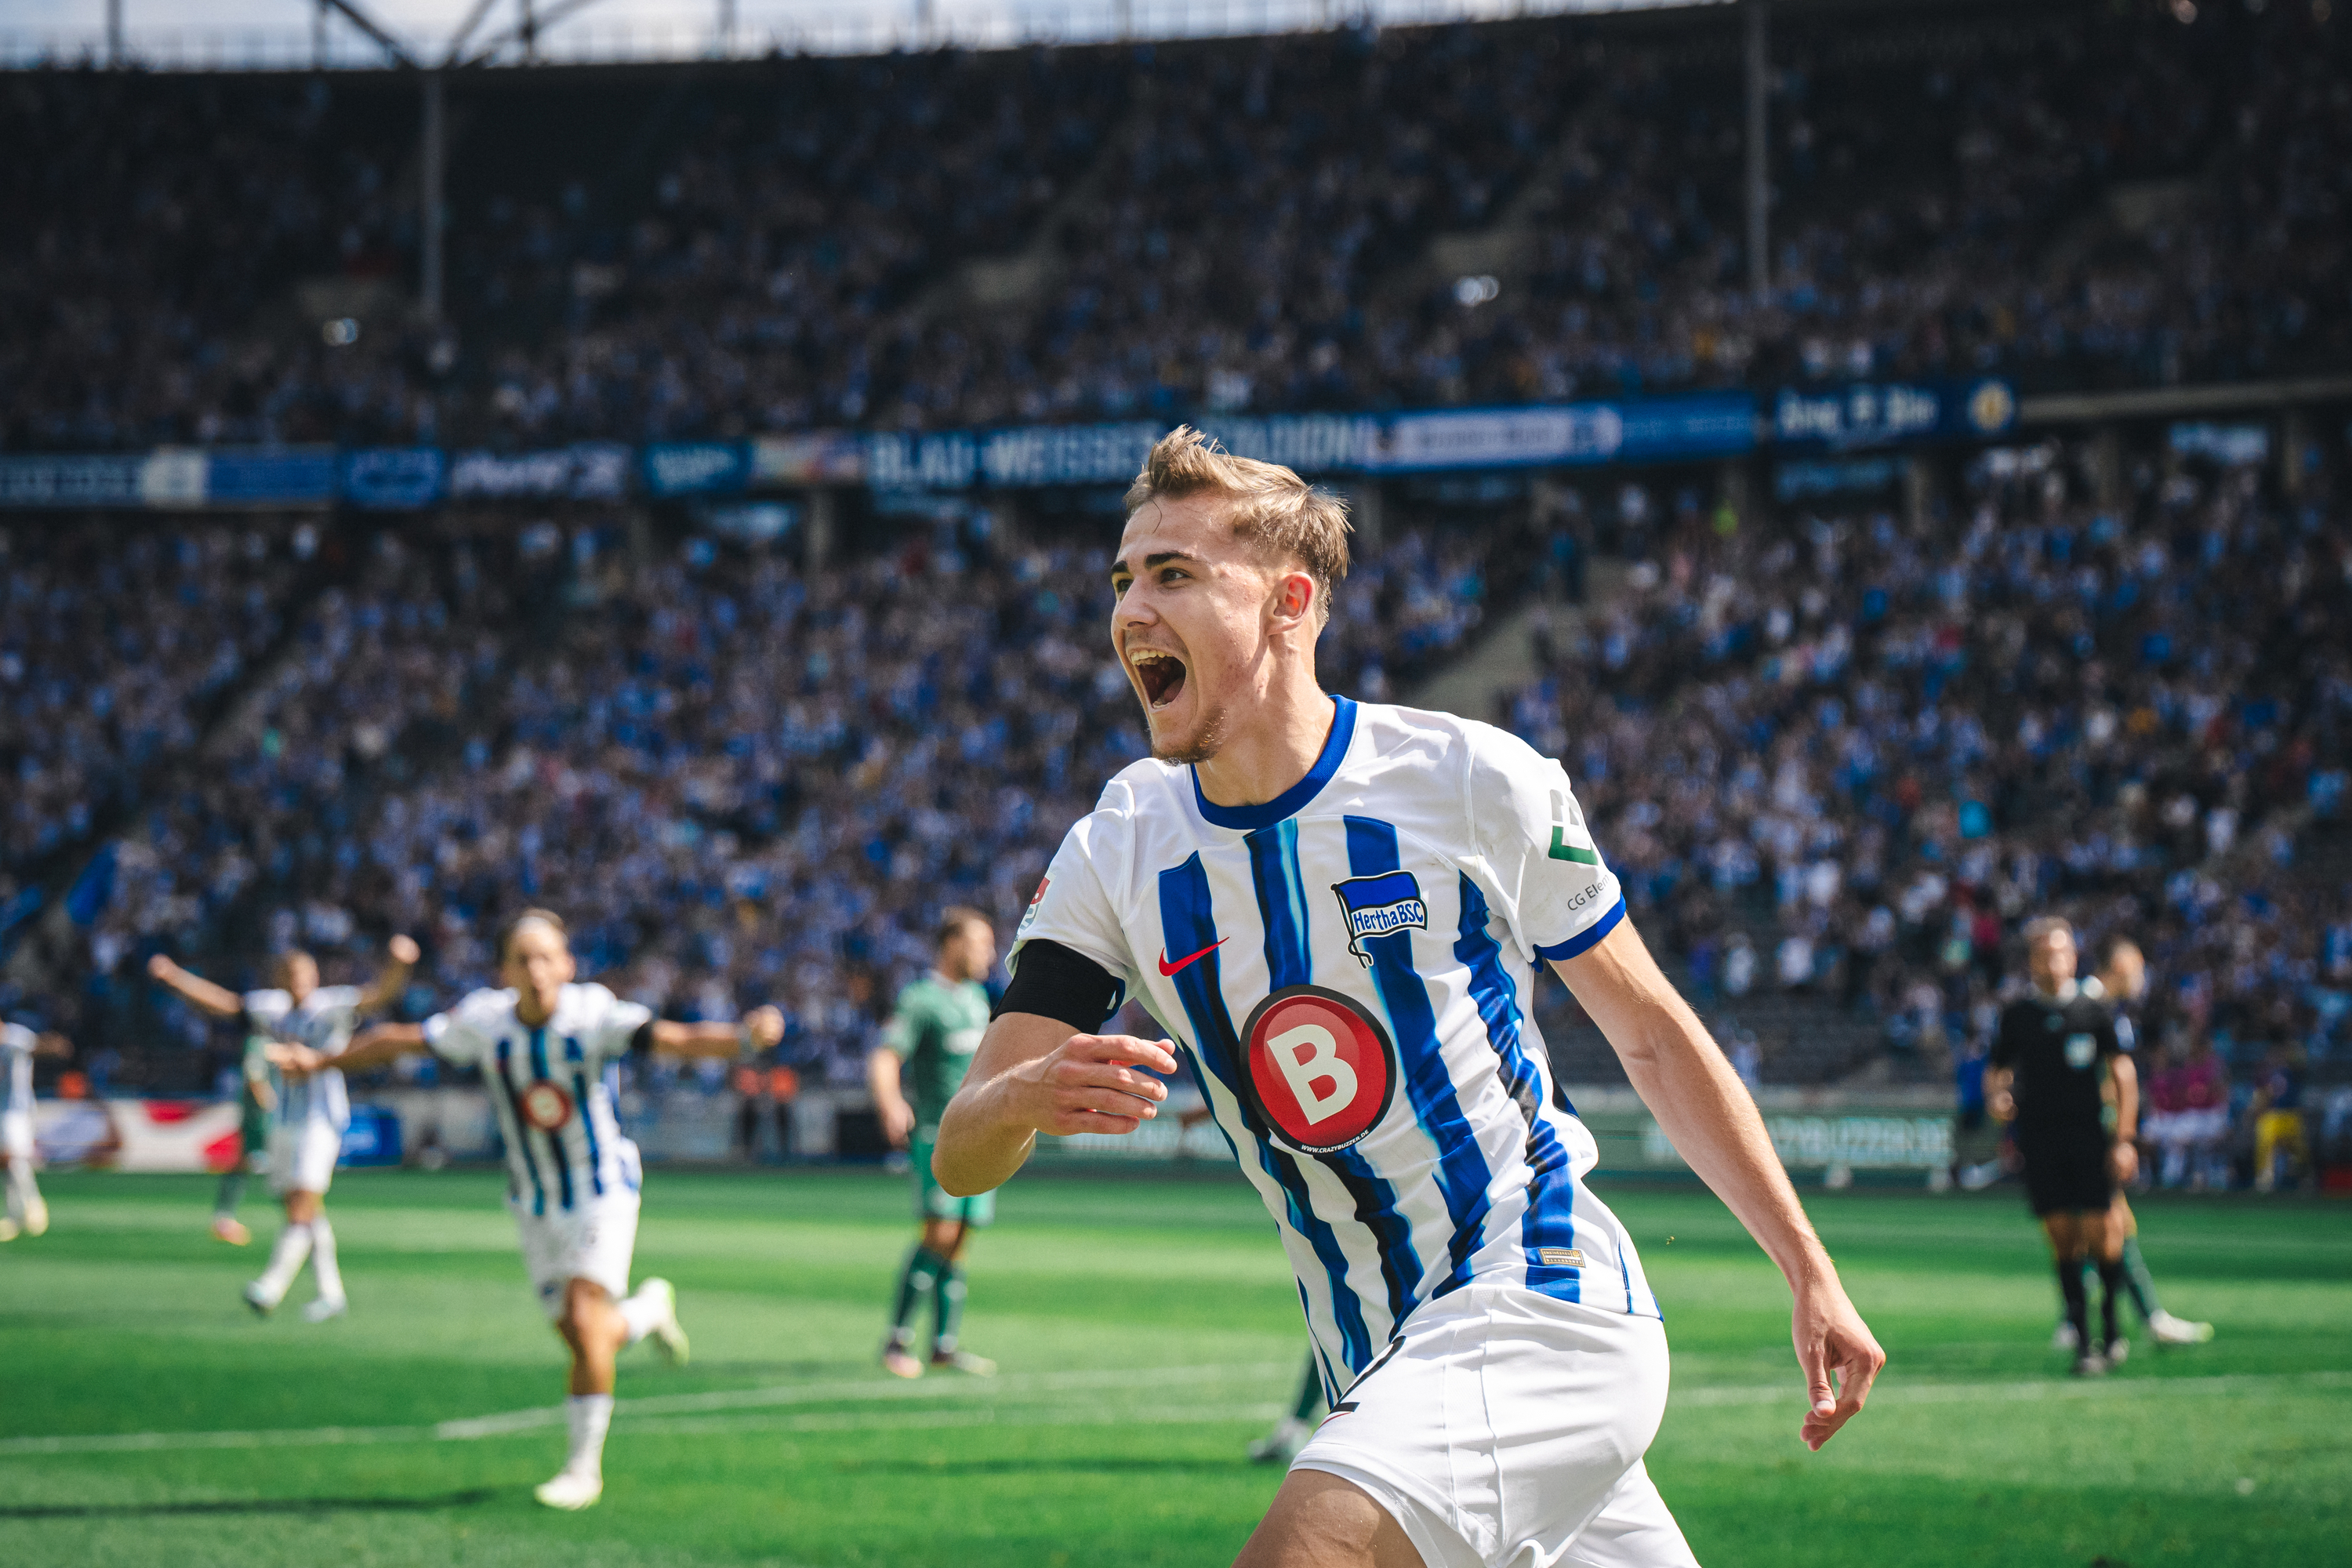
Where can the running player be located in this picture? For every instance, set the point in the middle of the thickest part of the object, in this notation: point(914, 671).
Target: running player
point(1335, 910)
point(548, 1051)
point(306, 1130)
point(2122, 984)
point(2044, 1076)
point(255, 1100)
point(933, 1032)
point(26, 1213)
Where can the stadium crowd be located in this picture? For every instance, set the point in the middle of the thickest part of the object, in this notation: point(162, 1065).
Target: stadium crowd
point(1849, 758)
point(1233, 225)
point(742, 782)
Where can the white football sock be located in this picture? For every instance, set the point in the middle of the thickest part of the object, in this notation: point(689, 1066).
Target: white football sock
point(322, 1261)
point(22, 1194)
point(641, 1312)
point(285, 1260)
point(588, 1416)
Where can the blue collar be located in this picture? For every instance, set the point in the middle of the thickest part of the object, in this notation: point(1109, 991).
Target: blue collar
point(1290, 801)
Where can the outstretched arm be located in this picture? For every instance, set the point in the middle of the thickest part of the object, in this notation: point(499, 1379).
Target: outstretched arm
point(218, 1000)
point(370, 1048)
point(384, 989)
point(1700, 1103)
point(52, 1044)
point(761, 1027)
point(1032, 1075)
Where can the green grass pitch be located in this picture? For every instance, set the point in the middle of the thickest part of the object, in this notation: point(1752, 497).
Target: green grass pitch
point(1147, 1330)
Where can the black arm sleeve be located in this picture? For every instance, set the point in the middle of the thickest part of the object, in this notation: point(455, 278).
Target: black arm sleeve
point(1055, 982)
point(642, 1040)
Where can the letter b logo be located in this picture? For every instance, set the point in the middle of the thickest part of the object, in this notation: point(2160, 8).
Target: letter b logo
point(1320, 1068)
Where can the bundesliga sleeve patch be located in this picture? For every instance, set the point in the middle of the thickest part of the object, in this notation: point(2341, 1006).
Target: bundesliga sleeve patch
point(1375, 906)
point(1321, 1069)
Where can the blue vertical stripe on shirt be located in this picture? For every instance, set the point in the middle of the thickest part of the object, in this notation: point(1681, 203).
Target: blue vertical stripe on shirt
point(1188, 924)
point(1290, 960)
point(555, 1139)
point(1462, 1173)
point(1550, 1219)
point(517, 1128)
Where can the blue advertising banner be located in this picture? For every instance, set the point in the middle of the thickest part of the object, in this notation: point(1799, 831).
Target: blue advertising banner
point(1702, 425)
point(173, 477)
point(588, 470)
point(394, 479)
point(302, 476)
point(696, 467)
point(1878, 413)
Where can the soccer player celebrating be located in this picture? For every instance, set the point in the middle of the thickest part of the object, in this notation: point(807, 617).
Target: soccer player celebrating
point(913, 1072)
point(306, 1129)
point(544, 1045)
point(2044, 1077)
point(1335, 910)
point(26, 1213)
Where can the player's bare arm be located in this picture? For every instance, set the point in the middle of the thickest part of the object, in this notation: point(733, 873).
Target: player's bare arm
point(2126, 1149)
point(890, 1107)
point(217, 999)
point(385, 988)
point(1033, 1074)
point(1681, 1076)
point(761, 1029)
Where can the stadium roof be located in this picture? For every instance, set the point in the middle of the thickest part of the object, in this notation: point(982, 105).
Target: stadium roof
point(246, 34)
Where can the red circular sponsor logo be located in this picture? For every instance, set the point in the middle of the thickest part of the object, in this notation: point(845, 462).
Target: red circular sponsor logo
point(1320, 1068)
point(545, 1105)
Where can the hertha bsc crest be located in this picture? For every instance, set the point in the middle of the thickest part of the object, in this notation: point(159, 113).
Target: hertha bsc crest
point(1375, 906)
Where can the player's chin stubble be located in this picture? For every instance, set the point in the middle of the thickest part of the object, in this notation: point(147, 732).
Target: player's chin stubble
point(1205, 741)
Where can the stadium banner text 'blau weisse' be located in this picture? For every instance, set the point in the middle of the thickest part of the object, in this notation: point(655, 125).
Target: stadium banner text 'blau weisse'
point(1684, 427)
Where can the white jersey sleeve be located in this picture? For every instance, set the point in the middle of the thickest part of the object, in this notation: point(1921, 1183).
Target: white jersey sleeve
point(1552, 887)
point(17, 1037)
point(467, 1034)
point(1077, 904)
point(613, 1023)
point(265, 1011)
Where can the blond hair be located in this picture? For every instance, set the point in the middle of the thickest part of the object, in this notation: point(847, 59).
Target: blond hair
point(1280, 515)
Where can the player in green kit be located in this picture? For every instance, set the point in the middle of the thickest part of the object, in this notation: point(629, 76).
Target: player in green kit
point(914, 1073)
point(255, 1100)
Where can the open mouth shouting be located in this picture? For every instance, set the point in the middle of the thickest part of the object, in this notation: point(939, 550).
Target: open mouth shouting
point(1161, 674)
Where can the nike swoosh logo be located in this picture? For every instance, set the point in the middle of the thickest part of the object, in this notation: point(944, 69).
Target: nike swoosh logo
point(1167, 968)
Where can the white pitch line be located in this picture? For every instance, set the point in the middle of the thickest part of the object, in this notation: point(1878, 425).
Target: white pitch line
point(642, 1411)
point(2221, 1385)
point(690, 1414)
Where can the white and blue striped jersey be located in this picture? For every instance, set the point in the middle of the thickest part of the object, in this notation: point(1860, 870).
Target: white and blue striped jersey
point(552, 1084)
point(16, 1043)
point(1349, 970)
point(324, 1021)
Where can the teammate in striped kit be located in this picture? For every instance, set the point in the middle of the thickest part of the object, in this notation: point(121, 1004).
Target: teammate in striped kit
point(306, 1126)
point(549, 1050)
point(1335, 910)
point(27, 1214)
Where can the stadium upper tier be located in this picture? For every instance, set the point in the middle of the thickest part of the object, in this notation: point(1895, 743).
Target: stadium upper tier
point(2067, 194)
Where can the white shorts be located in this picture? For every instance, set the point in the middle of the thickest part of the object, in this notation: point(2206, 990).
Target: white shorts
point(1504, 1430)
point(302, 1157)
point(595, 1242)
point(16, 1135)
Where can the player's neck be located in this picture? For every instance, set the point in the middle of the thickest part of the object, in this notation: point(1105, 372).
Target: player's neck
point(1277, 749)
point(528, 1013)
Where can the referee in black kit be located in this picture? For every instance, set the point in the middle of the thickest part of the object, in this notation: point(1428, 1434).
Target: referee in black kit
point(2045, 1071)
